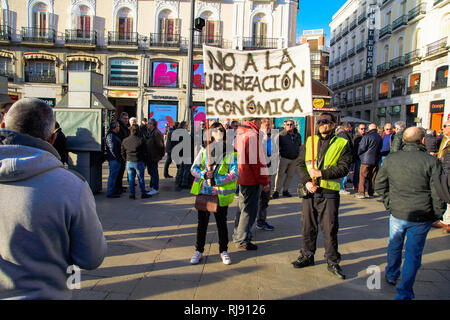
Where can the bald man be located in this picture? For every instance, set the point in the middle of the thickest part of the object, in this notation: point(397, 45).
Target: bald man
point(404, 183)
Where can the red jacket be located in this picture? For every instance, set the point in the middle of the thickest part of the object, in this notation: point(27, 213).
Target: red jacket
point(252, 167)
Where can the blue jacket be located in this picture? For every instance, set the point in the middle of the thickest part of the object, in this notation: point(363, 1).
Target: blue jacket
point(369, 148)
point(113, 144)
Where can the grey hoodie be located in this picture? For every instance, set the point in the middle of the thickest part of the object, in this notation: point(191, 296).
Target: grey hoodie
point(48, 221)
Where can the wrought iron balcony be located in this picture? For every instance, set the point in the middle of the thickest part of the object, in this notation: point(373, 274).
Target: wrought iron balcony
point(368, 98)
point(439, 84)
point(122, 38)
point(167, 40)
point(417, 11)
point(80, 37)
point(353, 25)
point(338, 36)
point(5, 33)
point(382, 96)
point(385, 31)
point(351, 52)
point(43, 77)
point(397, 92)
point(397, 62)
point(360, 47)
point(358, 77)
point(341, 84)
point(358, 100)
point(401, 21)
point(345, 31)
point(332, 41)
point(254, 43)
point(382, 68)
point(38, 35)
point(413, 89)
point(362, 17)
point(412, 56)
point(349, 81)
point(437, 46)
point(344, 57)
point(208, 40)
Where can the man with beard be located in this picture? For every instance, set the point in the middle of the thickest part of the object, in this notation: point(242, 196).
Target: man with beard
point(332, 158)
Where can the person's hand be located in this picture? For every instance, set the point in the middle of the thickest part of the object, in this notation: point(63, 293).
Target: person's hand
point(314, 173)
point(311, 187)
point(209, 175)
point(266, 188)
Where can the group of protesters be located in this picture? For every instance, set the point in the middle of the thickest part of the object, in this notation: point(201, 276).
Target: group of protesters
point(411, 180)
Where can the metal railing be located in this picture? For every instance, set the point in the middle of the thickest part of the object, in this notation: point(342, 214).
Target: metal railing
point(358, 77)
point(200, 39)
point(353, 25)
point(362, 17)
point(437, 46)
point(358, 100)
point(344, 56)
point(382, 68)
point(351, 52)
point(418, 10)
point(80, 37)
point(122, 38)
point(345, 31)
point(360, 47)
point(165, 40)
point(253, 43)
point(368, 98)
point(382, 96)
point(397, 92)
point(5, 33)
point(413, 89)
point(349, 81)
point(412, 56)
point(401, 21)
point(397, 62)
point(385, 31)
point(43, 77)
point(38, 35)
point(439, 84)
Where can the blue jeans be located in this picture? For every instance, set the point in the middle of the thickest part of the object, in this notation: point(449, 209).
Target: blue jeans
point(154, 175)
point(416, 233)
point(344, 182)
point(114, 167)
point(132, 169)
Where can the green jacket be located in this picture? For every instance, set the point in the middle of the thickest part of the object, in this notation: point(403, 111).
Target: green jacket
point(406, 184)
point(397, 142)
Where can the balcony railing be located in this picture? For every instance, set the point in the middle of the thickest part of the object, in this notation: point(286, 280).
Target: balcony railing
point(351, 52)
point(80, 37)
point(413, 89)
point(439, 84)
point(332, 41)
point(208, 40)
point(338, 36)
point(122, 38)
point(397, 62)
point(418, 10)
point(331, 64)
point(349, 81)
point(385, 31)
point(358, 77)
point(43, 77)
point(358, 100)
point(167, 40)
point(382, 68)
point(362, 17)
point(38, 35)
point(353, 25)
point(368, 98)
point(341, 84)
point(260, 43)
point(437, 46)
point(402, 21)
point(5, 33)
point(382, 96)
point(345, 31)
point(360, 46)
point(397, 92)
point(344, 57)
point(412, 56)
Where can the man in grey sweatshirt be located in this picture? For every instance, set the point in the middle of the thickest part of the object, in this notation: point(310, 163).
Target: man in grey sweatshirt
point(48, 218)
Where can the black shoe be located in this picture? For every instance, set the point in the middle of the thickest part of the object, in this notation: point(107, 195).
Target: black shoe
point(132, 197)
point(275, 195)
point(178, 188)
point(113, 196)
point(123, 189)
point(287, 194)
point(250, 246)
point(303, 261)
point(145, 196)
point(168, 177)
point(392, 283)
point(336, 270)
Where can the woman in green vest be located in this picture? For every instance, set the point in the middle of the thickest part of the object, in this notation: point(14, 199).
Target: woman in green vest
point(220, 180)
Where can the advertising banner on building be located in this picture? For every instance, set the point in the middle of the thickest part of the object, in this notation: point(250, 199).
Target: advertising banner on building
point(370, 39)
point(262, 83)
point(164, 112)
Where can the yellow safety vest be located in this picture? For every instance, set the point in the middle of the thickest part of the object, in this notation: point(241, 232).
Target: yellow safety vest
point(334, 151)
point(225, 192)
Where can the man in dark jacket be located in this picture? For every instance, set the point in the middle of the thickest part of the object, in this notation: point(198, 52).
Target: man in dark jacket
point(344, 132)
point(60, 143)
point(369, 154)
point(431, 142)
point(155, 152)
point(360, 132)
point(169, 145)
point(134, 152)
point(397, 138)
point(113, 145)
point(123, 133)
point(290, 142)
point(406, 183)
point(443, 156)
point(321, 203)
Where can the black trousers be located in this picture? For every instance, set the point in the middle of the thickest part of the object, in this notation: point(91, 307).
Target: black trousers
point(323, 212)
point(120, 176)
point(202, 227)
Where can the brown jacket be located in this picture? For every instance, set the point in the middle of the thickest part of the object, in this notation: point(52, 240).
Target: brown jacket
point(155, 146)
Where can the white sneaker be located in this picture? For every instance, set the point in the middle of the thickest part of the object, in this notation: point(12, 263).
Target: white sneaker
point(225, 258)
point(196, 258)
point(153, 192)
point(344, 192)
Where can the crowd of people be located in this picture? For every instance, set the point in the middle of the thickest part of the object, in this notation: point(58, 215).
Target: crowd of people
point(408, 167)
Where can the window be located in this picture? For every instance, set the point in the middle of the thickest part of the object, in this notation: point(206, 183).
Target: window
point(384, 89)
point(168, 27)
point(125, 24)
point(259, 29)
point(199, 75)
point(82, 22)
point(82, 66)
point(165, 74)
point(40, 71)
point(386, 53)
point(40, 20)
point(124, 72)
point(6, 68)
point(441, 79)
point(211, 32)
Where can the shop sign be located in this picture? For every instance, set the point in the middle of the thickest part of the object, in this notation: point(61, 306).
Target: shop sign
point(437, 106)
point(382, 112)
point(370, 39)
point(122, 94)
point(50, 101)
point(396, 110)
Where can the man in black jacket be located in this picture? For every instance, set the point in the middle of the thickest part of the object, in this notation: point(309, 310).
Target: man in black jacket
point(169, 145)
point(344, 132)
point(407, 186)
point(113, 145)
point(290, 142)
point(60, 143)
point(123, 133)
point(321, 203)
point(360, 132)
point(369, 154)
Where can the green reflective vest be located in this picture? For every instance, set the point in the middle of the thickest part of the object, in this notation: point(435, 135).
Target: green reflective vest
point(334, 151)
point(226, 191)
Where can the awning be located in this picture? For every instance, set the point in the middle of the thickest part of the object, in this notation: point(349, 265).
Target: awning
point(6, 54)
point(353, 120)
point(98, 101)
point(83, 58)
point(42, 56)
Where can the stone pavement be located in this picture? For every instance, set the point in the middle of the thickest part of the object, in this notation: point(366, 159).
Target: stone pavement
point(150, 243)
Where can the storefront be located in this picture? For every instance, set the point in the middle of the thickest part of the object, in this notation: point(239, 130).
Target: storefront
point(437, 114)
point(411, 115)
point(395, 113)
point(124, 101)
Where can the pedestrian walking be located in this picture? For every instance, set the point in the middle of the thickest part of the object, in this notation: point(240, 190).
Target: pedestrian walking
point(134, 153)
point(360, 131)
point(332, 159)
point(406, 184)
point(169, 146)
point(60, 143)
point(123, 133)
point(155, 152)
point(369, 154)
point(290, 142)
point(49, 219)
point(253, 174)
point(345, 132)
point(114, 157)
point(397, 137)
point(215, 174)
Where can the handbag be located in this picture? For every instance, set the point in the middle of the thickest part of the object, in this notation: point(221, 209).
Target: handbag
point(206, 202)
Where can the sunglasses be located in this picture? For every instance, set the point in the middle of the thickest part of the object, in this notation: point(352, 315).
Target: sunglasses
point(388, 129)
point(289, 124)
point(323, 121)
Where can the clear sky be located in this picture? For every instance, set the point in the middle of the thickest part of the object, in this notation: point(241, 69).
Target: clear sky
point(317, 14)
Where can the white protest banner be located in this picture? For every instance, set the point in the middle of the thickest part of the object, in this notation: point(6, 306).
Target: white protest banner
point(262, 83)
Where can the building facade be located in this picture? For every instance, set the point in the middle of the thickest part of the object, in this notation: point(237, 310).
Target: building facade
point(393, 65)
point(140, 46)
point(319, 53)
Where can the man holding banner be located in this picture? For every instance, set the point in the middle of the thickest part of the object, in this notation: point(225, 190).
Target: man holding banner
point(321, 167)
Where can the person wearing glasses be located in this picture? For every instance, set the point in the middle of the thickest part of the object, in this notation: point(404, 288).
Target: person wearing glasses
point(387, 141)
point(290, 142)
point(332, 157)
point(443, 156)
